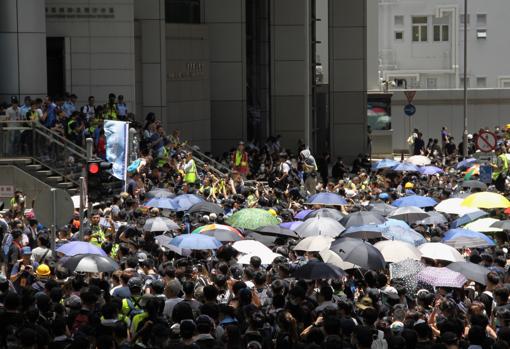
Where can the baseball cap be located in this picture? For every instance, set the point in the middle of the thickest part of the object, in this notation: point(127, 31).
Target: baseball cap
point(142, 256)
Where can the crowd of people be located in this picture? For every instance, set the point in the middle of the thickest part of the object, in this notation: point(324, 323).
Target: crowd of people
point(165, 297)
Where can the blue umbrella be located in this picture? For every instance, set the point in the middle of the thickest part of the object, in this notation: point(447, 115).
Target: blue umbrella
point(464, 164)
point(196, 242)
point(384, 163)
point(326, 199)
point(415, 200)
point(392, 222)
point(185, 201)
point(396, 232)
point(368, 231)
point(467, 218)
point(166, 203)
point(302, 214)
point(405, 167)
point(464, 238)
point(291, 225)
point(80, 247)
point(430, 170)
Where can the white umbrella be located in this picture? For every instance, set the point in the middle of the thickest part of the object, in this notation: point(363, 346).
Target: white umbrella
point(331, 257)
point(250, 247)
point(320, 226)
point(483, 225)
point(160, 224)
point(419, 160)
point(266, 257)
point(396, 251)
point(453, 206)
point(409, 214)
point(438, 250)
point(314, 244)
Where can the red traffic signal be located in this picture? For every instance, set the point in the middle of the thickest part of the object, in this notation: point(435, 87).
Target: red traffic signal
point(93, 168)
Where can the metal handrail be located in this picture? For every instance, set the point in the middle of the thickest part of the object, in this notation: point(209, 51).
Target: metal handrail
point(74, 148)
point(207, 159)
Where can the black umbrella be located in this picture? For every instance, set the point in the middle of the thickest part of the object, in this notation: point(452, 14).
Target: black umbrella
point(326, 212)
point(471, 271)
point(90, 263)
point(474, 184)
point(317, 270)
point(505, 225)
point(276, 230)
point(381, 208)
point(358, 252)
point(159, 193)
point(265, 239)
point(206, 207)
point(357, 219)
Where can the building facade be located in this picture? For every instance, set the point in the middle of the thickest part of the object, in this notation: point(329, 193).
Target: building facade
point(219, 70)
point(422, 43)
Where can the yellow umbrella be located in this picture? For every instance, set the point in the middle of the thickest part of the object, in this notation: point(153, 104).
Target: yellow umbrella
point(486, 200)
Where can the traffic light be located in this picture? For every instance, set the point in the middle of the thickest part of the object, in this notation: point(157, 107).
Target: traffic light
point(99, 180)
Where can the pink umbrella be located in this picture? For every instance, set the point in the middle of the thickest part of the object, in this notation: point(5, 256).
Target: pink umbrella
point(441, 277)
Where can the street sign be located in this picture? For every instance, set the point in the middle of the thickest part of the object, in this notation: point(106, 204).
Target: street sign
point(60, 201)
point(486, 141)
point(486, 174)
point(6, 191)
point(409, 109)
point(410, 96)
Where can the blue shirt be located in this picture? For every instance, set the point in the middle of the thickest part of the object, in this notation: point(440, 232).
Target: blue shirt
point(52, 116)
point(69, 108)
point(24, 109)
point(122, 109)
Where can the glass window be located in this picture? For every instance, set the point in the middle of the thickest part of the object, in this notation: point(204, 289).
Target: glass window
point(441, 32)
point(431, 82)
point(481, 20)
point(182, 11)
point(462, 19)
point(399, 35)
point(481, 82)
point(399, 20)
point(420, 28)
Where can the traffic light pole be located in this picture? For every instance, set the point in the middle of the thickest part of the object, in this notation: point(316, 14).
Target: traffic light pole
point(82, 205)
point(90, 152)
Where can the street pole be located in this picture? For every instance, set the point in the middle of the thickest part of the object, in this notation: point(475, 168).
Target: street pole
point(307, 73)
point(53, 219)
point(82, 206)
point(465, 134)
point(90, 152)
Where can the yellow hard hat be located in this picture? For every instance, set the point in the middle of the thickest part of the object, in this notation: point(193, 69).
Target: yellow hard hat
point(507, 126)
point(43, 270)
point(272, 211)
point(409, 185)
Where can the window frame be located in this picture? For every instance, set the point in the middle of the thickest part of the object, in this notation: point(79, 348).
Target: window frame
point(419, 28)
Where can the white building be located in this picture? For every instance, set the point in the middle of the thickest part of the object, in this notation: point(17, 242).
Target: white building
point(421, 43)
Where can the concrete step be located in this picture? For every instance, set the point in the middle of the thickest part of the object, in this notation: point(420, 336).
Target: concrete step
point(46, 173)
point(65, 185)
point(73, 191)
point(15, 161)
point(55, 178)
point(34, 167)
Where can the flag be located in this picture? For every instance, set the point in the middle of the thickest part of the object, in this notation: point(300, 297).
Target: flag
point(117, 133)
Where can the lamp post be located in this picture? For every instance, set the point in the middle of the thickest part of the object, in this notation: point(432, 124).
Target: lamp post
point(465, 133)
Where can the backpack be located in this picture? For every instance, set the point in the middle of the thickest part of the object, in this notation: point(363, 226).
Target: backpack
point(134, 307)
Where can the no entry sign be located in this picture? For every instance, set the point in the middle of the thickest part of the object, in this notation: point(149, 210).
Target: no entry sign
point(486, 141)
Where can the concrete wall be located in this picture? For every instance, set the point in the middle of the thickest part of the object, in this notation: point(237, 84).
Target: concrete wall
point(101, 50)
point(29, 185)
point(23, 43)
point(288, 70)
point(348, 77)
point(188, 82)
point(487, 108)
point(225, 20)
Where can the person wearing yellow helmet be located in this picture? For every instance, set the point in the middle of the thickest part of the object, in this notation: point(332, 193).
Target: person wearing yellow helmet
point(43, 274)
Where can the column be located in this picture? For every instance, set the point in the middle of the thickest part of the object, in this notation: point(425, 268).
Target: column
point(348, 77)
point(23, 43)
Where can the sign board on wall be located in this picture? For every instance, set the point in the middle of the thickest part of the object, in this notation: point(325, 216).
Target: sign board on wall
point(6, 191)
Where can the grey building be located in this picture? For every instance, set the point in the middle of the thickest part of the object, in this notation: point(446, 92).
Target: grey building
point(218, 70)
point(422, 43)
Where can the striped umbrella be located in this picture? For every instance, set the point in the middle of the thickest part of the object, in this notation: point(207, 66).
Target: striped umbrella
point(223, 233)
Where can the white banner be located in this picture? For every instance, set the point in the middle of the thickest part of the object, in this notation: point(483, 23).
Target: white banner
point(117, 143)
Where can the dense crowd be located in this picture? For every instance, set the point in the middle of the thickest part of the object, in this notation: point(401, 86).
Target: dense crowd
point(150, 292)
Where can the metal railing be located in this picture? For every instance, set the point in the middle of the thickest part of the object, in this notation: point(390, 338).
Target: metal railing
point(201, 159)
point(30, 139)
